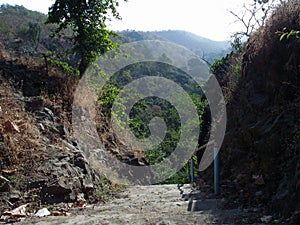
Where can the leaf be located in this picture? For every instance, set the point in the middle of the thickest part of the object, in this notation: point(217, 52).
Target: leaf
point(292, 33)
point(88, 22)
point(282, 36)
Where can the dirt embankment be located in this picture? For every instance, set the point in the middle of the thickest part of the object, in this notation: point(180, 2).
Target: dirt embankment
point(261, 150)
point(40, 162)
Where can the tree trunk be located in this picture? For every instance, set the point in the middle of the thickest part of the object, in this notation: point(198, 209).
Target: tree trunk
point(82, 66)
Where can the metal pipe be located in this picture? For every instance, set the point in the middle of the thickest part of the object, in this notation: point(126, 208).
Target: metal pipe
point(192, 170)
point(189, 172)
point(216, 171)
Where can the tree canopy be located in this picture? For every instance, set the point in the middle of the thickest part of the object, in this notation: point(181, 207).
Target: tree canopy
point(87, 19)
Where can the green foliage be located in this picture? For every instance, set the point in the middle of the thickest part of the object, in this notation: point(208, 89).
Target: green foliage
point(148, 108)
point(106, 190)
point(24, 33)
point(287, 34)
point(140, 117)
point(237, 43)
point(228, 72)
point(18, 23)
point(34, 32)
point(108, 95)
point(205, 48)
point(68, 69)
point(220, 66)
point(87, 19)
point(237, 69)
point(15, 21)
point(182, 176)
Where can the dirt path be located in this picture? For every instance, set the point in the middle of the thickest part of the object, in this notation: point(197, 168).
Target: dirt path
point(158, 204)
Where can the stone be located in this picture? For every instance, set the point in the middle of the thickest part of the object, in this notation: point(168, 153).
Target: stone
point(50, 113)
point(34, 104)
point(81, 163)
point(88, 185)
point(80, 200)
point(43, 212)
point(266, 219)
point(42, 127)
point(17, 212)
point(57, 192)
point(64, 132)
point(258, 193)
point(14, 196)
point(259, 180)
point(70, 147)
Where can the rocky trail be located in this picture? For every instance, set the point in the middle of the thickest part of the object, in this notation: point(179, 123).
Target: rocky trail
point(46, 171)
point(157, 204)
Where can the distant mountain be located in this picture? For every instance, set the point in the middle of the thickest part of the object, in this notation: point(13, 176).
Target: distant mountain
point(203, 47)
point(24, 31)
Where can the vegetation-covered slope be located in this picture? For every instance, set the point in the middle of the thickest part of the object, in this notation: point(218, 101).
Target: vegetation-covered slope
point(261, 151)
point(25, 32)
point(203, 47)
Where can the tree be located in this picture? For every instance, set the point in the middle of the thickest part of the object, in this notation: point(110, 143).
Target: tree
point(87, 19)
point(252, 17)
point(34, 33)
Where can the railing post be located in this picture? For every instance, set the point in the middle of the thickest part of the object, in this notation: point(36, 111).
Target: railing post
point(216, 171)
point(192, 170)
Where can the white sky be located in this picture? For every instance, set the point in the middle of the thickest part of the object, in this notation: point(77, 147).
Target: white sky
point(207, 18)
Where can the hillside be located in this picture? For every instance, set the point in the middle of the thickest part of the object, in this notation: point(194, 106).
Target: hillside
point(261, 151)
point(24, 32)
point(203, 47)
point(41, 163)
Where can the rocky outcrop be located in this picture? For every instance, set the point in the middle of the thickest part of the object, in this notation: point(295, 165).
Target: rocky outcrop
point(50, 165)
point(45, 159)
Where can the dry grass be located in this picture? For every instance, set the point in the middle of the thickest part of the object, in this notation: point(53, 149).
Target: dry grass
point(268, 91)
point(274, 60)
point(25, 150)
point(18, 147)
point(286, 15)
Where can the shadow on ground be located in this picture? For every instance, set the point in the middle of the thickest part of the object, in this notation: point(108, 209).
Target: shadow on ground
point(208, 203)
